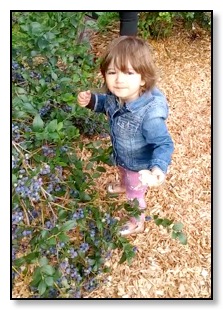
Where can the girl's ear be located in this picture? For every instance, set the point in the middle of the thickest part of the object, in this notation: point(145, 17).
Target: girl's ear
point(142, 83)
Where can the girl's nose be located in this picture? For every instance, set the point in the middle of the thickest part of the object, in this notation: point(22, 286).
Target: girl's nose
point(120, 77)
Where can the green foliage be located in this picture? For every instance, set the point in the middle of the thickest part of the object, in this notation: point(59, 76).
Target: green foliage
point(175, 228)
point(106, 19)
point(203, 19)
point(51, 68)
point(44, 276)
point(160, 24)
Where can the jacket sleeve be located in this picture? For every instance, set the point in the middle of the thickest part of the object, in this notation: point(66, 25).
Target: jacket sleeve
point(97, 103)
point(157, 136)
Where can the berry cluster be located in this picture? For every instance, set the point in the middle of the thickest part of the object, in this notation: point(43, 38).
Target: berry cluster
point(19, 69)
point(15, 132)
point(50, 105)
point(45, 109)
point(15, 161)
point(17, 77)
point(29, 188)
point(48, 151)
point(18, 130)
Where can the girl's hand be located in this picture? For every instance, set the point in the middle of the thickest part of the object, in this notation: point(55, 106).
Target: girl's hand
point(152, 178)
point(83, 98)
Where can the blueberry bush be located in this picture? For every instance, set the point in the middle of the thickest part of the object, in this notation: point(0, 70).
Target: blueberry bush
point(62, 232)
point(159, 24)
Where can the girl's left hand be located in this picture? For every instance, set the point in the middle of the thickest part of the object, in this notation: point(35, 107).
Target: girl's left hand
point(155, 177)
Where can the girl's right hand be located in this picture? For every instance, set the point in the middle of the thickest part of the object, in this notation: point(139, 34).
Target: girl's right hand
point(152, 178)
point(83, 98)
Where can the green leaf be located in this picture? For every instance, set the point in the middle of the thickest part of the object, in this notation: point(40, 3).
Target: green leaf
point(166, 222)
point(19, 261)
point(64, 283)
point(30, 258)
point(49, 281)
point(62, 214)
point(135, 203)
point(20, 114)
point(84, 197)
point(52, 241)
point(177, 226)
point(53, 60)
point(34, 53)
point(68, 97)
point(36, 28)
point(14, 178)
point(53, 136)
point(54, 230)
point(36, 277)
point(182, 238)
point(123, 258)
point(76, 78)
point(40, 135)
point(99, 224)
point(21, 90)
point(130, 256)
point(91, 262)
point(96, 144)
point(158, 221)
point(50, 36)
point(52, 126)
point(63, 238)
point(37, 123)
point(44, 234)
point(174, 234)
point(42, 43)
point(68, 225)
point(96, 175)
point(42, 287)
point(43, 261)
point(24, 27)
point(101, 169)
point(54, 76)
point(59, 126)
point(60, 163)
point(89, 166)
point(29, 108)
point(72, 132)
point(112, 245)
point(65, 79)
point(128, 208)
point(47, 269)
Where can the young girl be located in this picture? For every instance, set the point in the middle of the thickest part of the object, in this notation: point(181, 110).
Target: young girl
point(136, 111)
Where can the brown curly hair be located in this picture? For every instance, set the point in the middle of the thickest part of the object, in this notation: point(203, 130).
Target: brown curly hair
point(136, 51)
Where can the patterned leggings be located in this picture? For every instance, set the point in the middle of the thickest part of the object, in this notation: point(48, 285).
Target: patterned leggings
point(134, 188)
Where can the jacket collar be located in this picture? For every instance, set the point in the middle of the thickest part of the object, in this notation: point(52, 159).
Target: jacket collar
point(139, 102)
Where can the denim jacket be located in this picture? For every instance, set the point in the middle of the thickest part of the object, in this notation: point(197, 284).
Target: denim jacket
point(138, 131)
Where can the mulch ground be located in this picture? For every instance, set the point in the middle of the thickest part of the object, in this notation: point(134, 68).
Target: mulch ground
point(164, 268)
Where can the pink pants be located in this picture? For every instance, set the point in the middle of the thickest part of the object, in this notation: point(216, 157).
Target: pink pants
point(134, 188)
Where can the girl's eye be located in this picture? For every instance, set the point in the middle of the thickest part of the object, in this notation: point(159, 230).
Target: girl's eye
point(111, 72)
point(130, 72)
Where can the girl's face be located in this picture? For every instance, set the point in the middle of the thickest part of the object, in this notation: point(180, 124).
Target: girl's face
point(125, 85)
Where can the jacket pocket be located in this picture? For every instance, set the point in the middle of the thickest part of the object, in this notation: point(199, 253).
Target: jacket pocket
point(127, 127)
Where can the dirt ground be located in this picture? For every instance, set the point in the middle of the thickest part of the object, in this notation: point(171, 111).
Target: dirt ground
point(164, 268)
